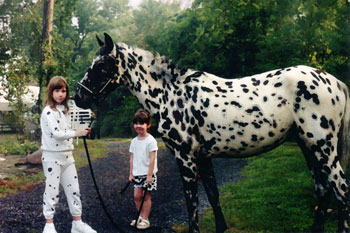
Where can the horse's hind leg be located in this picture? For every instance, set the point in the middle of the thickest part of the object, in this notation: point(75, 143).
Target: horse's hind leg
point(206, 172)
point(328, 176)
point(323, 190)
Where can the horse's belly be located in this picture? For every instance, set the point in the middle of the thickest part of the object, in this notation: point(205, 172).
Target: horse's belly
point(251, 135)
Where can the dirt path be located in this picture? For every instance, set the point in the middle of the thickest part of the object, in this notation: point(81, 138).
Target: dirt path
point(23, 212)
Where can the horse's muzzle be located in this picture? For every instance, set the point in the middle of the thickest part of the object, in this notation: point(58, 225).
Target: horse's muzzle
point(82, 101)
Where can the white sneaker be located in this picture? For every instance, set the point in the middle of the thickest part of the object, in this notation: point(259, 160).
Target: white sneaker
point(49, 228)
point(81, 227)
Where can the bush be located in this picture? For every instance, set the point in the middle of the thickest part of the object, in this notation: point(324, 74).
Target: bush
point(16, 148)
point(118, 122)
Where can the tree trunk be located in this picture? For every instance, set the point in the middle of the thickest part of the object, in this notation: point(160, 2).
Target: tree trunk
point(46, 46)
point(47, 25)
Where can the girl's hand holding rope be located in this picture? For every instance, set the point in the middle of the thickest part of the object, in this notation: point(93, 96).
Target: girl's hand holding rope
point(82, 132)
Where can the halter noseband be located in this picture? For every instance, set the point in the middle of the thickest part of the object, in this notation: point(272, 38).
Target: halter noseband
point(95, 94)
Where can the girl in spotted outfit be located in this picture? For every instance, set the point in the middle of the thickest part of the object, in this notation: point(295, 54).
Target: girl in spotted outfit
point(57, 159)
point(143, 166)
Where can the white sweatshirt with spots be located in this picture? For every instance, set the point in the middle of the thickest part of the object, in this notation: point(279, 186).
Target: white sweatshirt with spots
point(56, 134)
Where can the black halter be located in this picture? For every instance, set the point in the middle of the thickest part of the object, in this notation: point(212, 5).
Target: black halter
point(97, 93)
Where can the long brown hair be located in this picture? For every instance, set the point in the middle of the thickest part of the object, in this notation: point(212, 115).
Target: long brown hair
point(57, 82)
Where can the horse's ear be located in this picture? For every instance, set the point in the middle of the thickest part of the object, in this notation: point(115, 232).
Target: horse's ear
point(109, 42)
point(100, 43)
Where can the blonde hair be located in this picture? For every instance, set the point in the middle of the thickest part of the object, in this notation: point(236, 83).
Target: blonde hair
point(57, 82)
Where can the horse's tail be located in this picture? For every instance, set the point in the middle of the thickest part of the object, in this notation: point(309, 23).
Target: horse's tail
point(344, 138)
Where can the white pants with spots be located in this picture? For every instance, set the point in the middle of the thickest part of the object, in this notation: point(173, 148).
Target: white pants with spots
point(59, 168)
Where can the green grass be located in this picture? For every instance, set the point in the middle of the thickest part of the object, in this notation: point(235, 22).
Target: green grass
point(276, 195)
point(4, 138)
point(20, 180)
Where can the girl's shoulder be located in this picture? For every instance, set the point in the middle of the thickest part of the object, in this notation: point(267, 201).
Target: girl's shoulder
point(47, 110)
point(150, 138)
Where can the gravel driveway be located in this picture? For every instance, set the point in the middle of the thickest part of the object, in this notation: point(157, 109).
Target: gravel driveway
point(22, 212)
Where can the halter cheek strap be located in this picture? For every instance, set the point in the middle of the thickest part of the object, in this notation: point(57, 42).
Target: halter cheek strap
point(85, 87)
point(109, 80)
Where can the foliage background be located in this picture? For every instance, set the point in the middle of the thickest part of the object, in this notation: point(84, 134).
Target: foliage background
point(228, 38)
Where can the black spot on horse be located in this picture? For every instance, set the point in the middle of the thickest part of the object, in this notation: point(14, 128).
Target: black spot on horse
point(304, 92)
point(198, 116)
point(174, 134)
point(278, 84)
point(206, 103)
point(254, 109)
point(221, 90)
point(256, 125)
point(177, 116)
point(277, 73)
point(194, 75)
point(324, 122)
point(206, 89)
point(236, 104)
point(242, 124)
point(142, 69)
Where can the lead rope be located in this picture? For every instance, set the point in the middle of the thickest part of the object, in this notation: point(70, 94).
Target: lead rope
point(97, 189)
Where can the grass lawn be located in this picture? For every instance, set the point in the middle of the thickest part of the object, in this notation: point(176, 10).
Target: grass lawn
point(20, 180)
point(4, 138)
point(276, 195)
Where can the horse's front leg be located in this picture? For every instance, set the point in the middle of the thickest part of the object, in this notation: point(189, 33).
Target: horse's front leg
point(206, 172)
point(188, 172)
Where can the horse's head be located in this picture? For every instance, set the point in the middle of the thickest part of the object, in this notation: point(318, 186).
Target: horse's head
point(101, 77)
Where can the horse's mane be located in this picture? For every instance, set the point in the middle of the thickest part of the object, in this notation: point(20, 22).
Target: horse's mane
point(150, 56)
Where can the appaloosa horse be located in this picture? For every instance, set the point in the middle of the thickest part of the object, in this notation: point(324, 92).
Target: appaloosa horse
point(201, 116)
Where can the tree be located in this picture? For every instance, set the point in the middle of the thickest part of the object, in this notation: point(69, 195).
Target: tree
point(46, 46)
point(94, 18)
point(239, 38)
point(17, 80)
point(18, 66)
point(145, 27)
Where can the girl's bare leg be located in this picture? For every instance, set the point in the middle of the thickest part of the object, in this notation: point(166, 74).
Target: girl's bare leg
point(146, 208)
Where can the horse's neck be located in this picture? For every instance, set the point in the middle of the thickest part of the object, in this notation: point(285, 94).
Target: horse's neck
point(147, 76)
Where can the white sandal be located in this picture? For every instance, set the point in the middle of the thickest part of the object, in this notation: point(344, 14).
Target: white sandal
point(144, 224)
point(134, 221)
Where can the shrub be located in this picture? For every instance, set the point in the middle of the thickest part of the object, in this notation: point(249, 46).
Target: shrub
point(16, 148)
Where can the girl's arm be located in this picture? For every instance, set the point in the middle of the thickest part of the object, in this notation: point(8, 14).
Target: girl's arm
point(131, 177)
point(152, 159)
point(57, 133)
